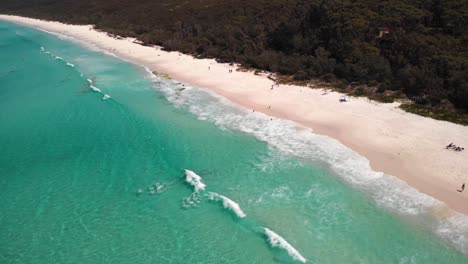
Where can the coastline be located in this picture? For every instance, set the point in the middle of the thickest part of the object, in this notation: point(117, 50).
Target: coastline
point(395, 142)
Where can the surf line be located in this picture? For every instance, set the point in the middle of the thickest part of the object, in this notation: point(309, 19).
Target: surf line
point(227, 203)
point(274, 239)
point(90, 82)
point(196, 181)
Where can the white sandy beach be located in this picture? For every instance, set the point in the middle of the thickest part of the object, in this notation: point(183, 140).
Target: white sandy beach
point(397, 143)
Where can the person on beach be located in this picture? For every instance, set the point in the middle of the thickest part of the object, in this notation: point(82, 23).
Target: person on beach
point(462, 188)
point(454, 147)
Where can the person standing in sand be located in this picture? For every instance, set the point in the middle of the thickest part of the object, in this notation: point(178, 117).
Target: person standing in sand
point(462, 188)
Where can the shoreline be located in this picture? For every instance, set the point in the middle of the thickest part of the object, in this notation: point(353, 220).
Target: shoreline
point(398, 143)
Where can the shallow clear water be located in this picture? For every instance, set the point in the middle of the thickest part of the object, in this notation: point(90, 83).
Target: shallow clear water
point(78, 174)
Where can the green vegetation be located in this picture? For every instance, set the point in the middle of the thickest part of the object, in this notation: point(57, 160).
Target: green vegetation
point(412, 48)
point(163, 75)
point(438, 114)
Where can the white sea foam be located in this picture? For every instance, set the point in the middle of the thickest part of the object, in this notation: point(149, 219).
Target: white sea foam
point(59, 35)
point(454, 229)
point(290, 138)
point(86, 44)
point(191, 201)
point(228, 203)
point(388, 191)
point(148, 71)
point(195, 180)
point(90, 81)
point(45, 51)
point(61, 59)
point(277, 241)
point(94, 88)
point(159, 187)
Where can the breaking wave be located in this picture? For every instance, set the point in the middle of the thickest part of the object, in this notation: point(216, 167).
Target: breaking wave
point(288, 137)
point(156, 188)
point(293, 139)
point(94, 88)
point(90, 81)
point(277, 241)
point(195, 180)
point(228, 203)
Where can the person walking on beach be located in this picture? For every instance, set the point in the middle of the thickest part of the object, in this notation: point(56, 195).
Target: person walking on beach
point(462, 188)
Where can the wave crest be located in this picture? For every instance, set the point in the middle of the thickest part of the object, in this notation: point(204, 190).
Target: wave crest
point(292, 139)
point(228, 203)
point(195, 180)
point(94, 88)
point(277, 241)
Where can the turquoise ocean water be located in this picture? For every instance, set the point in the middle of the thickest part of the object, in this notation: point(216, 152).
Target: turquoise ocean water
point(87, 180)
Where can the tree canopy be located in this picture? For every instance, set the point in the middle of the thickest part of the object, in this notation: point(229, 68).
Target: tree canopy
point(418, 47)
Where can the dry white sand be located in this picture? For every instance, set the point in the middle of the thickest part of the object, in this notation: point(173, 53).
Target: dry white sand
point(405, 145)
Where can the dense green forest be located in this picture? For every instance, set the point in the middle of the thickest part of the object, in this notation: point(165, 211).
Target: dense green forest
point(415, 48)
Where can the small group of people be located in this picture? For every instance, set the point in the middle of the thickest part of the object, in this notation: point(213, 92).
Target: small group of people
point(343, 99)
point(230, 70)
point(273, 85)
point(454, 147)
